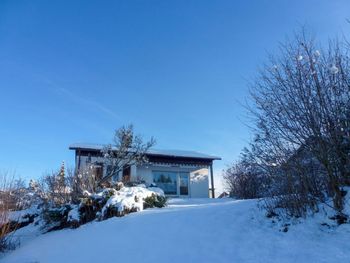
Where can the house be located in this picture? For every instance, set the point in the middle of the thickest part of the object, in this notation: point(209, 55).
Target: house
point(178, 173)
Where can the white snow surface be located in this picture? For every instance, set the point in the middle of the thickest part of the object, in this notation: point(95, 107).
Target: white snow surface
point(191, 230)
point(18, 216)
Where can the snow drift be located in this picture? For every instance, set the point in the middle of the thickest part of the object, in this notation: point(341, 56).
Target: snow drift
point(190, 230)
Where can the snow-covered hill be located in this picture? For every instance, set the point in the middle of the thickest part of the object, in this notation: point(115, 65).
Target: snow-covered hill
point(197, 230)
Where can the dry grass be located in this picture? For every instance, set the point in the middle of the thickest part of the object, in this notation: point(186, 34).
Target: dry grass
point(7, 184)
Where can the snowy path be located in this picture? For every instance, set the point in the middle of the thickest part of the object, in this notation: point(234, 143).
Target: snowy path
point(189, 231)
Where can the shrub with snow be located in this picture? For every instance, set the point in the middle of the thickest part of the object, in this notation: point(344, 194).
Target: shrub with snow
point(154, 201)
point(131, 199)
point(99, 206)
point(90, 207)
point(56, 218)
point(103, 205)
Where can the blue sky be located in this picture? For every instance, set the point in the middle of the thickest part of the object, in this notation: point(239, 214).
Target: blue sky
point(73, 71)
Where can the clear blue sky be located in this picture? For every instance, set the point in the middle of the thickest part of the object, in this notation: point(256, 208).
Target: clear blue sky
point(73, 71)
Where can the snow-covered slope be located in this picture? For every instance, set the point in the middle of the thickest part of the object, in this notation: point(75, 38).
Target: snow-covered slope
point(191, 230)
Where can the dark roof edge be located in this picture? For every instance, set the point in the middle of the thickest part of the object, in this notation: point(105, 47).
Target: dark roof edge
point(208, 157)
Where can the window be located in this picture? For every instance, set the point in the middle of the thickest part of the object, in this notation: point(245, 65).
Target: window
point(167, 181)
point(172, 183)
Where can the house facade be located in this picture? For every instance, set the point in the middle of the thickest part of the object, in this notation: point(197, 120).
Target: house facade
point(178, 173)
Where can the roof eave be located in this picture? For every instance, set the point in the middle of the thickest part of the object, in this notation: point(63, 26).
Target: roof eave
point(191, 157)
point(212, 158)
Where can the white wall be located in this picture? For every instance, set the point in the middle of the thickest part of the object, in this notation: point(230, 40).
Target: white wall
point(200, 183)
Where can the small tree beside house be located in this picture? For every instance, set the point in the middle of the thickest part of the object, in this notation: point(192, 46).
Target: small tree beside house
point(126, 150)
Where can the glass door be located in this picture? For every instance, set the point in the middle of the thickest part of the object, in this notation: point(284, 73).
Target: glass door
point(183, 183)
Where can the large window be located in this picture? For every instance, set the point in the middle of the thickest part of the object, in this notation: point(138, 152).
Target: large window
point(166, 181)
point(172, 183)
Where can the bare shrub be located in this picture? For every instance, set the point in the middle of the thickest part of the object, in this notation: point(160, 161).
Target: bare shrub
point(80, 182)
point(55, 188)
point(8, 203)
point(247, 178)
point(301, 107)
point(243, 183)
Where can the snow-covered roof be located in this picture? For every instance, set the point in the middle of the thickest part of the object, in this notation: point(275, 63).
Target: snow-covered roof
point(158, 152)
point(86, 146)
point(182, 153)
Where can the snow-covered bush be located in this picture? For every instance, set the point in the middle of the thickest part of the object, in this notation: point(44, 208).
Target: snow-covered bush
point(18, 219)
point(108, 192)
point(74, 217)
point(56, 218)
point(99, 206)
point(34, 194)
point(103, 205)
point(131, 199)
point(90, 208)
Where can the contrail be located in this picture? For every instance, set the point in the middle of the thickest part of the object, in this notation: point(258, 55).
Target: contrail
point(53, 86)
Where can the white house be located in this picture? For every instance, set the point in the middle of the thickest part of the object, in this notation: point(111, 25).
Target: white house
point(178, 173)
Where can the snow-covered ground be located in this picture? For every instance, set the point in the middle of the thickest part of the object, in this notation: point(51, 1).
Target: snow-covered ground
point(188, 230)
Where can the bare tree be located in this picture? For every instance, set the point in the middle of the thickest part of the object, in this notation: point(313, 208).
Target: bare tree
point(81, 182)
point(127, 149)
point(302, 99)
point(246, 179)
point(55, 187)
